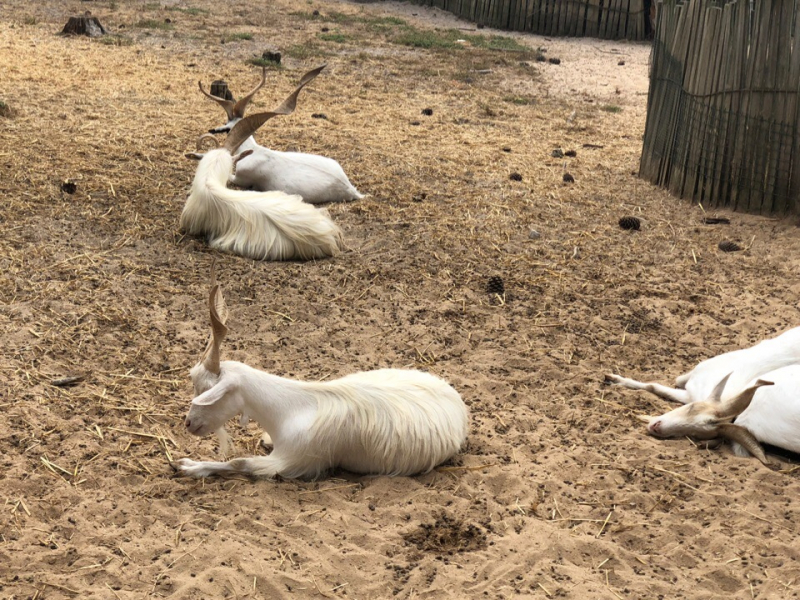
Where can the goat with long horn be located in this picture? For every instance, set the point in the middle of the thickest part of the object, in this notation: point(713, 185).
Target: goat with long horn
point(317, 179)
point(746, 396)
point(387, 421)
point(270, 225)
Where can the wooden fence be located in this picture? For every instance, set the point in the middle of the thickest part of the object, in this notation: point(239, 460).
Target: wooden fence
point(722, 111)
point(609, 19)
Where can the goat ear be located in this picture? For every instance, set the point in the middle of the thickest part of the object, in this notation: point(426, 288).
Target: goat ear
point(215, 394)
point(716, 393)
point(644, 418)
point(739, 404)
point(194, 155)
point(737, 433)
point(241, 155)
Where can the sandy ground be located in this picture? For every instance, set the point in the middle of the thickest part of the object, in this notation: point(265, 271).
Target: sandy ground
point(558, 493)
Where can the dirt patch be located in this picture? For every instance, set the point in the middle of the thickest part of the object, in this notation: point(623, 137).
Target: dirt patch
point(447, 534)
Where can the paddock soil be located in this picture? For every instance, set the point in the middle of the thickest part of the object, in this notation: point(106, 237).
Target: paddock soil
point(558, 493)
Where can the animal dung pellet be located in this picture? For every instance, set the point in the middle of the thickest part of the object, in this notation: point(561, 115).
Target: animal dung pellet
point(69, 187)
point(414, 123)
point(495, 285)
point(729, 246)
point(571, 153)
point(515, 177)
point(716, 221)
point(621, 63)
point(315, 13)
point(541, 58)
point(568, 178)
point(324, 30)
point(557, 153)
point(427, 112)
point(554, 61)
point(319, 116)
point(506, 149)
point(630, 223)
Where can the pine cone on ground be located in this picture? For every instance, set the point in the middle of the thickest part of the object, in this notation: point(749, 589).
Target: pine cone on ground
point(495, 285)
point(729, 246)
point(630, 223)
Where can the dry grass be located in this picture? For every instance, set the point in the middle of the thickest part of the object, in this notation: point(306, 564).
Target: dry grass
point(101, 284)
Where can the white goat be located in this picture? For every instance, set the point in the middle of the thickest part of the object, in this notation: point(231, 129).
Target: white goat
point(258, 225)
point(389, 421)
point(723, 388)
point(316, 178)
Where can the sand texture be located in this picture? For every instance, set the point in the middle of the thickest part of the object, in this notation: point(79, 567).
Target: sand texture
point(558, 493)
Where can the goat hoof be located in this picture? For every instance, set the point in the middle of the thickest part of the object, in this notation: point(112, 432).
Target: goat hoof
point(186, 467)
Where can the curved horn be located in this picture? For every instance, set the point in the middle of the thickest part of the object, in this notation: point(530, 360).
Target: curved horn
point(227, 105)
point(716, 393)
point(206, 136)
point(737, 433)
point(249, 125)
point(241, 104)
point(218, 312)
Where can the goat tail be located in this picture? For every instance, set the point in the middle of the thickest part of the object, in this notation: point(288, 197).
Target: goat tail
point(257, 225)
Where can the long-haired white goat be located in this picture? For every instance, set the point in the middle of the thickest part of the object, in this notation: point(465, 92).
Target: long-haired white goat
point(723, 398)
point(389, 421)
point(258, 225)
point(316, 178)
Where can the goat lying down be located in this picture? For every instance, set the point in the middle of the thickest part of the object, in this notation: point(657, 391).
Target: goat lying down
point(746, 396)
point(316, 178)
point(257, 225)
point(389, 421)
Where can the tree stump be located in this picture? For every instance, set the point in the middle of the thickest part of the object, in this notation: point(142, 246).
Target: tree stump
point(219, 88)
point(84, 26)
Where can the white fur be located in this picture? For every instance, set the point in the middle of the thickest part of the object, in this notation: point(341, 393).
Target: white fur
point(773, 416)
point(389, 421)
point(257, 225)
point(743, 366)
point(317, 179)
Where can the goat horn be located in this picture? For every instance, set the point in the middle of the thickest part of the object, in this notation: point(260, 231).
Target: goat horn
point(737, 433)
point(249, 125)
point(227, 105)
point(241, 104)
point(219, 316)
point(716, 393)
point(206, 136)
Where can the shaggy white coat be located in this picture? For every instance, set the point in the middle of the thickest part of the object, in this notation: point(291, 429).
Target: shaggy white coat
point(389, 421)
point(257, 225)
